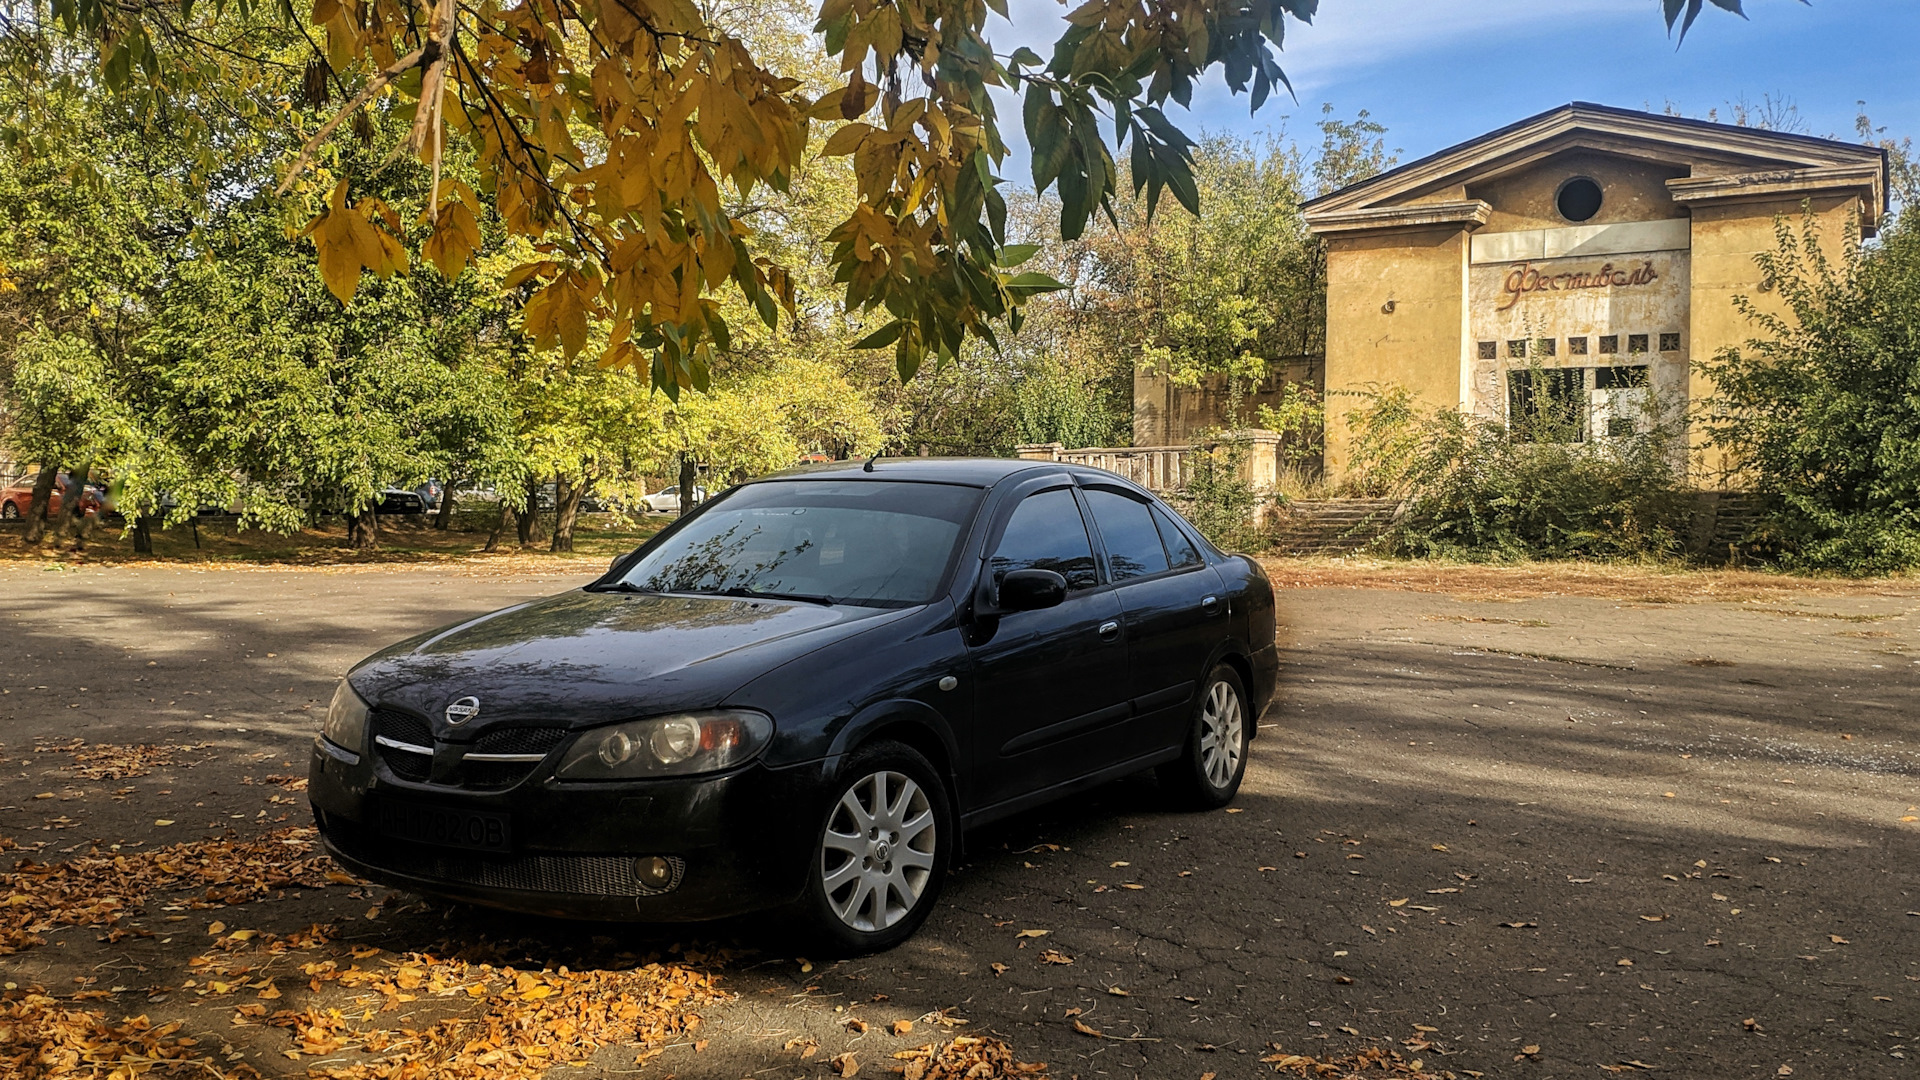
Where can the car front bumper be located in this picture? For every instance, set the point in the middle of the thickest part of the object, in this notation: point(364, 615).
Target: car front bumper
point(737, 842)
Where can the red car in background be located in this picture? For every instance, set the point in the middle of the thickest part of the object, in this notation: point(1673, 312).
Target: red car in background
point(18, 497)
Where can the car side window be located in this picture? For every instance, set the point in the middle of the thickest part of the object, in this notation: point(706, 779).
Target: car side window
point(1179, 548)
point(1047, 533)
point(1126, 527)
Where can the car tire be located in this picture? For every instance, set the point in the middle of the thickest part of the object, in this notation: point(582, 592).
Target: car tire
point(874, 874)
point(10, 511)
point(1207, 774)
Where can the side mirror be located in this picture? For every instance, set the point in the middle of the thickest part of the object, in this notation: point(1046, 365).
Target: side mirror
point(1031, 590)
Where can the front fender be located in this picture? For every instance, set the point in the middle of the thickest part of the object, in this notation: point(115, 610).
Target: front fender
point(919, 724)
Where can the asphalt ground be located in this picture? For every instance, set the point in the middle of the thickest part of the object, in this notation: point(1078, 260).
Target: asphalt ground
point(1540, 837)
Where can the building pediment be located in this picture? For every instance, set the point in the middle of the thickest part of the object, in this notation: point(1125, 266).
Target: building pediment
point(1697, 162)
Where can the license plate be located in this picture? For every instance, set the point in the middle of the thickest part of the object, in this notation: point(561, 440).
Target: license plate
point(444, 826)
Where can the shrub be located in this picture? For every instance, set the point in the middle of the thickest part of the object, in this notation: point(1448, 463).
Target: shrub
point(1537, 487)
point(1217, 497)
point(1822, 413)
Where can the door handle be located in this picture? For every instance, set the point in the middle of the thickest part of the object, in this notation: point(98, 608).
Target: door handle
point(1109, 629)
point(1210, 605)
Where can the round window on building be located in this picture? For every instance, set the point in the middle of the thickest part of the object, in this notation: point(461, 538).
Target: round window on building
point(1578, 200)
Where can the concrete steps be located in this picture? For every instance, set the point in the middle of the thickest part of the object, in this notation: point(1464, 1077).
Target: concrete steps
point(1331, 526)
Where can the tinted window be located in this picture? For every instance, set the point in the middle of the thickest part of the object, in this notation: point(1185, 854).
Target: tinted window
point(1126, 527)
point(1178, 546)
point(872, 542)
point(1046, 533)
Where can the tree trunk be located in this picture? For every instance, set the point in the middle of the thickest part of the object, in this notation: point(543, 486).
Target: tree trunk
point(688, 476)
point(531, 527)
point(37, 506)
point(566, 509)
point(73, 504)
point(363, 530)
point(500, 527)
point(142, 534)
point(445, 513)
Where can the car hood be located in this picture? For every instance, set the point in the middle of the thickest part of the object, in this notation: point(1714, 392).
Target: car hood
point(585, 658)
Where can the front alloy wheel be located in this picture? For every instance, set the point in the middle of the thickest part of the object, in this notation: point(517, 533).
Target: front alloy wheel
point(1208, 772)
point(881, 852)
point(876, 856)
point(10, 511)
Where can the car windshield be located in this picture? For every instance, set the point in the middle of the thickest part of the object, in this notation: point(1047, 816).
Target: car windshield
point(880, 543)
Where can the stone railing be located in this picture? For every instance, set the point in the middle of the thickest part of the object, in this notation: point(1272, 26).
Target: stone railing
point(1164, 468)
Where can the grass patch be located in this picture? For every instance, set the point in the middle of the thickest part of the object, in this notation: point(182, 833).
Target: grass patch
point(1634, 583)
point(216, 541)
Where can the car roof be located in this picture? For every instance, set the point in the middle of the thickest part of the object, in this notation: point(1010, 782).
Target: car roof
point(973, 472)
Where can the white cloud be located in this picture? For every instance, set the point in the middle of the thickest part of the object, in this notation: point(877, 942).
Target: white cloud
point(1349, 36)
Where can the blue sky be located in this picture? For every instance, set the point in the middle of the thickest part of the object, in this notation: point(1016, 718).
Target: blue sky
point(1436, 72)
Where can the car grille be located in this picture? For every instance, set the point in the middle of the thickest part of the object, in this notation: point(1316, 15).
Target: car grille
point(519, 741)
point(581, 875)
point(408, 761)
point(496, 775)
point(409, 731)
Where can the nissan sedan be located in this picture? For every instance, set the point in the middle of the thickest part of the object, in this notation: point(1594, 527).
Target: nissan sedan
point(800, 698)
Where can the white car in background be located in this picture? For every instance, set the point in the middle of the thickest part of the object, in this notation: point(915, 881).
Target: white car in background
point(667, 499)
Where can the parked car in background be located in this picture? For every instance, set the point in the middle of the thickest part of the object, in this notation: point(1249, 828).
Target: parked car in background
point(797, 697)
point(17, 499)
point(548, 495)
point(400, 501)
point(667, 499)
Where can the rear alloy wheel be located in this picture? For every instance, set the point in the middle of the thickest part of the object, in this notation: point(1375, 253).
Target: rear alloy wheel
point(1207, 774)
point(10, 511)
point(881, 851)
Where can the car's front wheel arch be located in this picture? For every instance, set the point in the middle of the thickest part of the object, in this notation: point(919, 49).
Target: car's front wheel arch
point(900, 720)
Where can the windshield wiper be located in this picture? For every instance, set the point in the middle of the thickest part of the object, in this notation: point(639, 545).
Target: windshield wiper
point(758, 594)
point(618, 586)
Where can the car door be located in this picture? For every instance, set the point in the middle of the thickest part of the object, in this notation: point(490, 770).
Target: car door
point(1172, 609)
point(1050, 685)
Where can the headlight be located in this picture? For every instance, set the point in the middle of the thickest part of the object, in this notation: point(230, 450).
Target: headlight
point(667, 746)
point(347, 720)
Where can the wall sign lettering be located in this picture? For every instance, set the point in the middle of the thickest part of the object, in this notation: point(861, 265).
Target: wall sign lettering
point(1523, 278)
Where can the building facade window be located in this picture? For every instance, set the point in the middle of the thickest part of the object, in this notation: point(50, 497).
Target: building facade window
point(1636, 343)
point(1578, 199)
point(1548, 405)
point(1577, 346)
point(1669, 342)
point(1517, 349)
point(1609, 343)
point(1489, 350)
point(1620, 399)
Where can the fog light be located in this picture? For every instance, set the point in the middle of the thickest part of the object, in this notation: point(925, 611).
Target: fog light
point(653, 871)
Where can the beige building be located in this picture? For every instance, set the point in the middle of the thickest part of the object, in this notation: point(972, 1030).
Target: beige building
point(1603, 245)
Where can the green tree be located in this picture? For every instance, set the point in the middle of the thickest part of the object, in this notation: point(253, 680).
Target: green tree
point(1821, 410)
point(177, 339)
point(611, 134)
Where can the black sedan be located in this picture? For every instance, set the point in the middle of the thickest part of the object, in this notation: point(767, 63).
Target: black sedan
point(801, 697)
